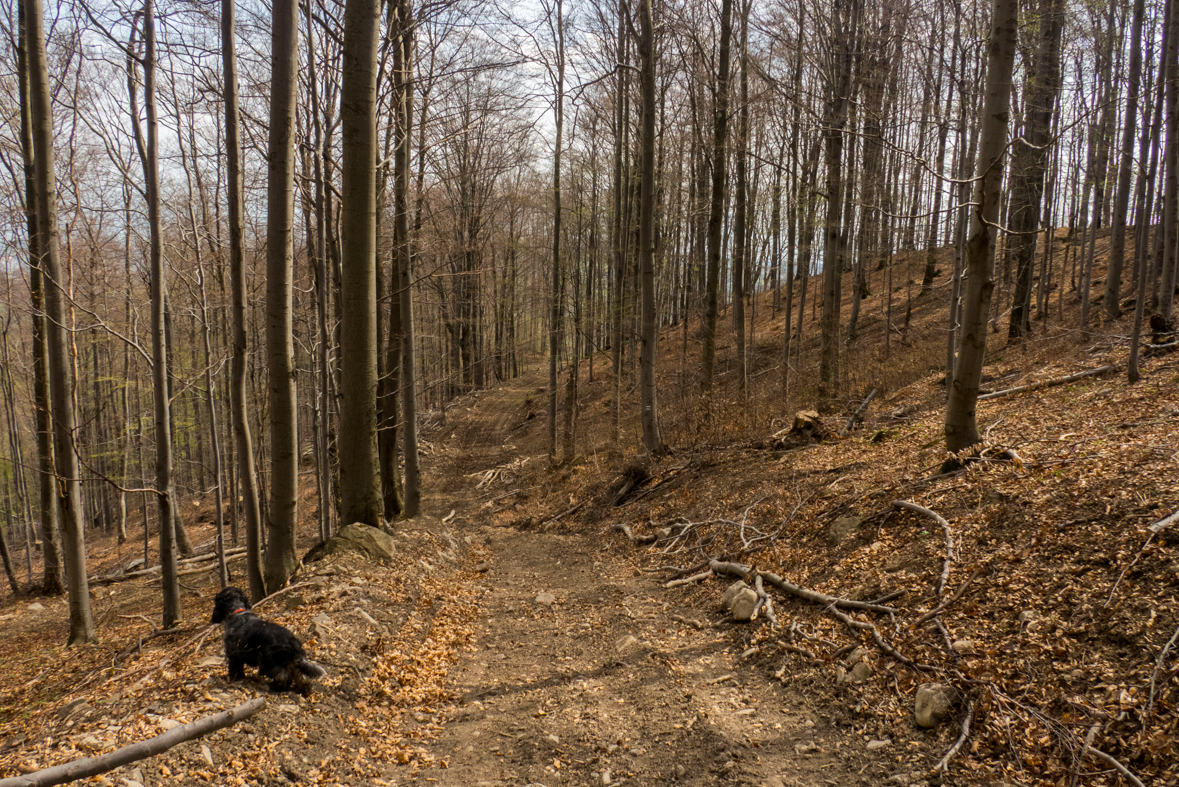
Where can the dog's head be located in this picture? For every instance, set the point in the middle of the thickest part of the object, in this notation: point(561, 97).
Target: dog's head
point(228, 601)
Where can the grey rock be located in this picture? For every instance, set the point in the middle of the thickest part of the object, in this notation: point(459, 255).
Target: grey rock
point(627, 644)
point(842, 528)
point(744, 604)
point(965, 647)
point(860, 672)
point(856, 655)
point(370, 541)
point(933, 704)
point(211, 661)
point(36, 606)
point(1027, 616)
point(802, 749)
point(483, 567)
point(731, 592)
point(70, 708)
point(545, 598)
point(877, 745)
point(207, 755)
point(679, 771)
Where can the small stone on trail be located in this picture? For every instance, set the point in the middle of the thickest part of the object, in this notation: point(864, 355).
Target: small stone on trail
point(731, 593)
point(607, 777)
point(483, 567)
point(743, 605)
point(546, 598)
point(964, 647)
point(802, 749)
point(208, 755)
point(36, 606)
point(627, 644)
point(933, 704)
point(553, 739)
point(860, 672)
point(679, 771)
point(875, 745)
point(774, 781)
point(842, 528)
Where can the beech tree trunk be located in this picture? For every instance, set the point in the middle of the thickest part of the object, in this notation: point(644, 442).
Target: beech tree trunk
point(52, 579)
point(360, 480)
point(280, 560)
point(61, 369)
point(961, 423)
point(243, 442)
point(720, 125)
point(652, 440)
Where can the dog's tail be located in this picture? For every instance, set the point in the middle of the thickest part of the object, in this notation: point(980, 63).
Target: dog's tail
point(310, 668)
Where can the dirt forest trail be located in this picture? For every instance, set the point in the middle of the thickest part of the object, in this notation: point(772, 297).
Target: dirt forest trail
point(585, 671)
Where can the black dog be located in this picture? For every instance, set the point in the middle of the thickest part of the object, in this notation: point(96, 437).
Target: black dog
point(271, 648)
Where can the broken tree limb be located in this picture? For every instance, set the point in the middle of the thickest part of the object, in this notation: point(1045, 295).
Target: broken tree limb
point(941, 582)
point(1107, 759)
point(92, 766)
point(881, 643)
point(1048, 383)
point(1158, 667)
point(186, 564)
point(1164, 523)
point(933, 613)
point(738, 570)
point(688, 580)
point(856, 415)
point(962, 738)
point(625, 530)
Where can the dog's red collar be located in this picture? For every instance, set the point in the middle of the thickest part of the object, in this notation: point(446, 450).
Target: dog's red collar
point(239, 609)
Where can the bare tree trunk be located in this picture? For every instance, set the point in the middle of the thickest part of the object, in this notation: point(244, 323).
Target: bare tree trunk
point(61, 370)
point(360, 481)
point(740, 220)
point(403, 65)
point(52, 583)
point(842, 46)
point(1030, 162)
point(1117, 240)
point(652, 440)
point(961, 424)
point(280, 560)
point(244, 445)
point(556, 292)
point(1167, 268)
point(720, 125)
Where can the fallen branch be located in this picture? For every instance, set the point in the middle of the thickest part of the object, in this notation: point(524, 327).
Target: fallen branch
point(764, 602)
point(941, 582)
point(1048, 383)
point(1107, 759)
point(1164, 523)
point(688, 580)
point(933, 613)
point(881, 643)
point(187, 566)
point(958, 744)
point(1158, 667)
point(625, 530)
point(563, 514)
point(738, 570)
point(856, 415)
point(91, 766)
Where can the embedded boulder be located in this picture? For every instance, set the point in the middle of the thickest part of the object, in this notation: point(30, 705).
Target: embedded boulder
point(369, 541)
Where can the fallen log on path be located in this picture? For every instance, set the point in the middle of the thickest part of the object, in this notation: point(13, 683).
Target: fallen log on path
point(92, 766)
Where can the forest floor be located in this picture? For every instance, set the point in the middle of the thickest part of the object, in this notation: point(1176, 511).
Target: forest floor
point(518, 638)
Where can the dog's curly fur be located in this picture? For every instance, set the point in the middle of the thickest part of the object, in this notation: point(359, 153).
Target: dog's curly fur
point(272, 649)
